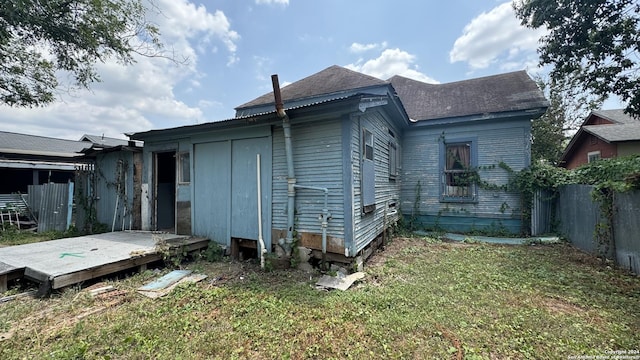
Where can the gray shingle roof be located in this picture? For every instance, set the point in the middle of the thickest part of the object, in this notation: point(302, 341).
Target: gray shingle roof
point(498, 93)
point(617, 116)
point(103, 140)
point(615, 132)
point(330, 80)
point(14, 143)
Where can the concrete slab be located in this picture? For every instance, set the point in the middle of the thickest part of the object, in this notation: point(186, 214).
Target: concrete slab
point(68, 261)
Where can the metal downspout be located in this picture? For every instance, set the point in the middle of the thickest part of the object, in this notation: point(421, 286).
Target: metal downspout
point(291, 177)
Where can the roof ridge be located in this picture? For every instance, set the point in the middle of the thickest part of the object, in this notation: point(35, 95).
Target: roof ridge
point(482, 78)
point(333, 79)
point(41, 136)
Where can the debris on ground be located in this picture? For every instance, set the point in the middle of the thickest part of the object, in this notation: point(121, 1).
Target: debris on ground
point(31, 293)
point(164, 285)
point(101, 290)
point(340, 281)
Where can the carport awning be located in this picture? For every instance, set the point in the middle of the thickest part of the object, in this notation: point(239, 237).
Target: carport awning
point(37, 165)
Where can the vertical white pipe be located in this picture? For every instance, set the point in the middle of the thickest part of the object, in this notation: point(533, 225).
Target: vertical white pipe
point(263, 249)
point(115, 210)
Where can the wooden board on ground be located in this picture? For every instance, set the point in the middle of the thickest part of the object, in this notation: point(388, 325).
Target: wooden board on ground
point(64, 262)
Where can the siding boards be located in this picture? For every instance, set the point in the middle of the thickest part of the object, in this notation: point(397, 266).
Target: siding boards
point(212, 188)
point(506, 142)
point(317, 155)
point(368, 226)
point(108, 169)
point(225, 187)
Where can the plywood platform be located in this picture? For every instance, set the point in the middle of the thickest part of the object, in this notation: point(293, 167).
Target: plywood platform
point(59, 263)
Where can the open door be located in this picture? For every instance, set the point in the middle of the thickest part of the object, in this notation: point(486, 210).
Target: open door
point(164, 191)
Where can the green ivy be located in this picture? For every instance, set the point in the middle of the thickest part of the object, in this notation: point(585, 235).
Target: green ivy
point(608, 177)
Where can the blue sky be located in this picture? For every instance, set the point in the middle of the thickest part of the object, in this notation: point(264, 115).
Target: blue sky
point(233, 47)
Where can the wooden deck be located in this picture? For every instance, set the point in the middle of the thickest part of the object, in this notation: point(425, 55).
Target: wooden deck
point(58, 263)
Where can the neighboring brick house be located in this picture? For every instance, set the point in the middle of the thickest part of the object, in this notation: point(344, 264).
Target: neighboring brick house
point(604, 134)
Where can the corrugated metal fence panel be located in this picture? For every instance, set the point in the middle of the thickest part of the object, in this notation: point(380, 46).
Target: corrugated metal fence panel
point(35, 196)
point(627, 230)
point(53, 205)
point(541, 213)
point(578, 216)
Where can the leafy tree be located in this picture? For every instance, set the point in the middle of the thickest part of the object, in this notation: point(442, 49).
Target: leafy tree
point(592, 45)
point(565, 113)
point(38, 39)
point(548, 131)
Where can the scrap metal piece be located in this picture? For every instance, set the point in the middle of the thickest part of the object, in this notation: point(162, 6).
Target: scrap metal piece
point(338, 282)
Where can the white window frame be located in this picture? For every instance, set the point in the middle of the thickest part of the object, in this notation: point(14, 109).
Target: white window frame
point(593, 156)
point(452, 192)
point(393, 160)
point(184, 175)
point(367, 142)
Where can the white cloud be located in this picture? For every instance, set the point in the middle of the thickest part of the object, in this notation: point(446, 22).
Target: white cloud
point(262, 66)
point(181, 21)
point(496, 36)
point(268, 2)
point(141, 96)
point(391, 62)
point(358, 48)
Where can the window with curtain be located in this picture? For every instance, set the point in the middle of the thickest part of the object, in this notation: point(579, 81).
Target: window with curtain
point(458, 175)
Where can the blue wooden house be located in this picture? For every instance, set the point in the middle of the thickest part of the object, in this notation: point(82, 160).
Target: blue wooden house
point(480, 125)
point(341, 162)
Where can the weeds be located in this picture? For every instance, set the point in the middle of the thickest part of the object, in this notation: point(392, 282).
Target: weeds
point(420, 299)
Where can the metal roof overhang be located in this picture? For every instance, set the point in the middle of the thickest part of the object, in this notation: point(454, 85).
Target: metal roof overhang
point(498, 116)
point(350, 100)
point(38, 165)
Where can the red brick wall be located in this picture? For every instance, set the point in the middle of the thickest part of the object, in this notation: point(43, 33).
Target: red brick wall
point(586, 144)
point(596, 120)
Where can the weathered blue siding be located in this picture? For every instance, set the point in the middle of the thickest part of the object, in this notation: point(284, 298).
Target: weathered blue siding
point(224, 185)
point(317, 160)
point(212, 203)
point(497, 141)
point(111, 199)
point(387, 191)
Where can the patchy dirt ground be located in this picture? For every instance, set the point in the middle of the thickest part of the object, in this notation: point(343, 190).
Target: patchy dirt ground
point(422, 296)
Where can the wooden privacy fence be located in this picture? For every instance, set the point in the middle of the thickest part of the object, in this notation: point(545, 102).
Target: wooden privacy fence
point(52, 205)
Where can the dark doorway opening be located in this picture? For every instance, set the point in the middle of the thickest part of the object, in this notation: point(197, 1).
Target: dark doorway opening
point(14, 180)
point(165, 191)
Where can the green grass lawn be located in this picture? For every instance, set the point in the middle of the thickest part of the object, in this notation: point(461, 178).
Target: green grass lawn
point(12, 236)
point(421, 299)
